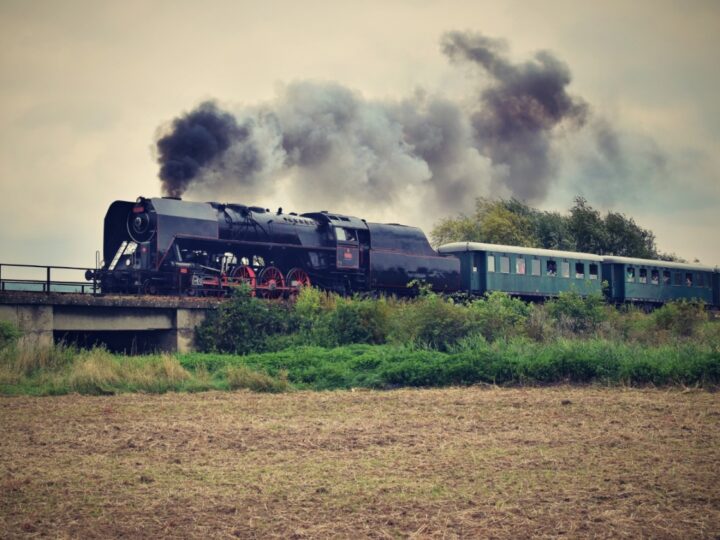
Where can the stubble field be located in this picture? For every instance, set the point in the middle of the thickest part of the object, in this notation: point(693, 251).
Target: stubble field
point(472, 462)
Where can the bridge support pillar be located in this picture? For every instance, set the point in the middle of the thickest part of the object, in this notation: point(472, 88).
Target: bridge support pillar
point(182, 336)
point(186, 321)
point(34, 321)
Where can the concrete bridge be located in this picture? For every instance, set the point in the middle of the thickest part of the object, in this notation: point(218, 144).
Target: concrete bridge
point(121, 323)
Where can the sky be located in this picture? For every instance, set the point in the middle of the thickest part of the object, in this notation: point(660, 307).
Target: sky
point(88, 88)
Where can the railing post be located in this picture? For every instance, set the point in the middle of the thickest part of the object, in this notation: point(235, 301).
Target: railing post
point(47, 281)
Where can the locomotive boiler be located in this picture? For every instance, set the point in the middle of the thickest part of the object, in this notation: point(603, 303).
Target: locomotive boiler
point(169, 246)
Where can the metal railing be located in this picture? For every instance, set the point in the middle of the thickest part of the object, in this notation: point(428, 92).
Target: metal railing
point(42, 281)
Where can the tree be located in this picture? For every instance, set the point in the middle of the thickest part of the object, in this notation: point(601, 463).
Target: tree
point(588, 228)
point(492, 222)
point(461, 229)
point(625, 238)
point(553, 231)
point(510, 221)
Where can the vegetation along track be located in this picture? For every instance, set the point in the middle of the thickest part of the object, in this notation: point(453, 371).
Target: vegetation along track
point(470, 462)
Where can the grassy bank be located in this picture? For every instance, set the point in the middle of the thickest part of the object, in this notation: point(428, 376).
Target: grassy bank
point(324, 342)
point(62, 370)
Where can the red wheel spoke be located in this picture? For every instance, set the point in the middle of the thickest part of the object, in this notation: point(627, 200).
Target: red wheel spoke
point(271, 282)
point(297, 278)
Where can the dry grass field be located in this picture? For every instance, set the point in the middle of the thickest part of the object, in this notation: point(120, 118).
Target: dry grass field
point(474, 462)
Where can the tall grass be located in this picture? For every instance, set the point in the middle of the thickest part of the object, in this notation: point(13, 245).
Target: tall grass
point(325, 342)
point(518, 361)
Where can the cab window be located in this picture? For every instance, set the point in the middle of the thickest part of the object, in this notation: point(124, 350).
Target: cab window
point(345, 235)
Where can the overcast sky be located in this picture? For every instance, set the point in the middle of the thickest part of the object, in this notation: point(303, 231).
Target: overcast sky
point(85, 87)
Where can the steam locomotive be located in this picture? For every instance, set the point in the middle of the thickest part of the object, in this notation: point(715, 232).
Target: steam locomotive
point(169, 246)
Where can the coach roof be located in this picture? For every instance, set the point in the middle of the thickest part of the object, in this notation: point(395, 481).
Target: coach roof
point(664, 264)
point(456, 247)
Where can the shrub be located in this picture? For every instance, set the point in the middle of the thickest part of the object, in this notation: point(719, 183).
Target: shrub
point(431, 321)
point(499, 315)
point(682, 318)
point(9, 334)
point(243, 324)
point(358, 320)
point(538, 325)
point(311, 306)
point(575, 313)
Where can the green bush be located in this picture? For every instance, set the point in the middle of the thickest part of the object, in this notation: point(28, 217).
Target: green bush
point(538, 324)
point(431, 321)
point(9, 334)
point(244, 324)
point(499, 315)
point(682, 317)
point(358, 320)
point(576, 313)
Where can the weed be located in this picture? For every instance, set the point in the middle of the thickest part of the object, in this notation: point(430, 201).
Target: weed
point(242, 377)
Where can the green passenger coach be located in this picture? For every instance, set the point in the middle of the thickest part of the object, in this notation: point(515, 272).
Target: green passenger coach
point(656, 282)
point(526, 272)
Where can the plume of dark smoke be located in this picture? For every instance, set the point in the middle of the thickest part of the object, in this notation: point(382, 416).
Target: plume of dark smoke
point(328, 144)
point(518, 110)
point(194, 141)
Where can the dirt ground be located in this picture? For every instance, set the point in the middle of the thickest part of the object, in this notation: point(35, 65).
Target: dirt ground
point(474, 462)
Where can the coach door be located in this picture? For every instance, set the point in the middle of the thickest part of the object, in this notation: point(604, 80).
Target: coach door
point(348, 252)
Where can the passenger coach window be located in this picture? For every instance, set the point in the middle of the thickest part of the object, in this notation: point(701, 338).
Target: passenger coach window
point(666, 277)
point(520, 266)
point(630, 274)
point(701, 279)
point(551, 268)
point(504, 265)
point(565, 268)
point(579, 270)
point(643, 275)
point(593, 271)
point(654, 277)
point(678, 278)
point(491, 263)
point(536, 267)
point(688, 279)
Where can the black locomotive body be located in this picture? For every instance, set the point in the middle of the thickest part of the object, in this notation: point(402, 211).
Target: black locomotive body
point(170, 246)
